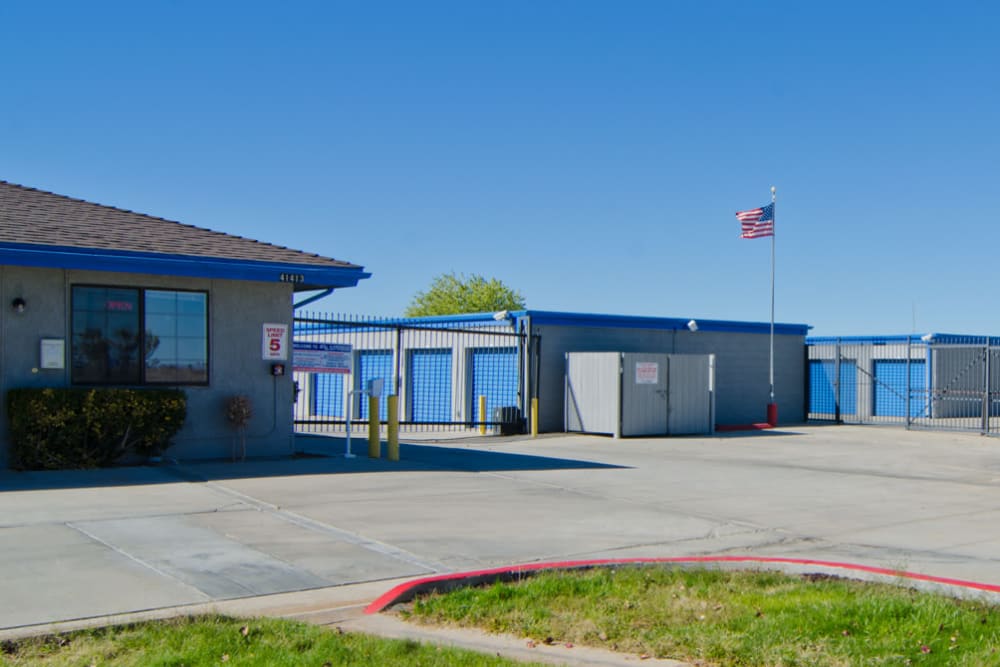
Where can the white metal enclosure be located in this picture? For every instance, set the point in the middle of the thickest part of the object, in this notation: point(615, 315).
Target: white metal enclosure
point(691, 398)
point(588, 408)
point(636, 394)
point(643, 394)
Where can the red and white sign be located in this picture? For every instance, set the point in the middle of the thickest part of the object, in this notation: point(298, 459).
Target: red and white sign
point(647, 372)
point(275, 342)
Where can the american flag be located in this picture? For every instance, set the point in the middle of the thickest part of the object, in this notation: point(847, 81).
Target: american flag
point(756, 223)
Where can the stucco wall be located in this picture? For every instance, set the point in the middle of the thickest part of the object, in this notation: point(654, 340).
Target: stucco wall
point(237, 309)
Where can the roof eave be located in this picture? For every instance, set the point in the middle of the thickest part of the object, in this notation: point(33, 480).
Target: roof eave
point(303, 277)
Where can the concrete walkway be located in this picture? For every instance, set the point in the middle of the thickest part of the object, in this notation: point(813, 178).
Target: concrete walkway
point(84, 544)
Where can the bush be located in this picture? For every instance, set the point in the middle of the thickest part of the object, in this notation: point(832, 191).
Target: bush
point(52, 429)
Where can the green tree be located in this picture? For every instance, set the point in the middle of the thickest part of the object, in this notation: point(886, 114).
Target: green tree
point(451, 294)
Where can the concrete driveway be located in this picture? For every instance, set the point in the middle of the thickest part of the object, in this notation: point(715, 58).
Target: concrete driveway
point(91, 543)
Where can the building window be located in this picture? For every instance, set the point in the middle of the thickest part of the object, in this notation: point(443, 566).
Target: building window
point(176, 337)
point(133, 336)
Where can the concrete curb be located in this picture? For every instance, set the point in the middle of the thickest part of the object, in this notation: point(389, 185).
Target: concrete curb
point(442, 583)
point(345, 606)
point(322, 606)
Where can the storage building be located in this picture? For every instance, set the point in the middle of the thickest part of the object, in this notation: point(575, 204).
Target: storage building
point(441, 366)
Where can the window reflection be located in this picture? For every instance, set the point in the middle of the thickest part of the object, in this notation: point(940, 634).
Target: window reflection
point(132, 336)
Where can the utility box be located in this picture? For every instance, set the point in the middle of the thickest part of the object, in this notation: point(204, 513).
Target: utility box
point(636, 393)
point(508, 420)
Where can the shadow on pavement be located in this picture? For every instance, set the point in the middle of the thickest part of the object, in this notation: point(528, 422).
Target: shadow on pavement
point(317, 458)
point(754, 433)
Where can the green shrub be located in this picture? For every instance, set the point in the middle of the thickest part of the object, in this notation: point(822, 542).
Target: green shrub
point(53, 429)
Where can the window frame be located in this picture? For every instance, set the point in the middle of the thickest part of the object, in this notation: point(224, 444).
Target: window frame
point(141, 290)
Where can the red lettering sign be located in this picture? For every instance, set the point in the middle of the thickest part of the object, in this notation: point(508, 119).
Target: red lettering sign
point(118, 305)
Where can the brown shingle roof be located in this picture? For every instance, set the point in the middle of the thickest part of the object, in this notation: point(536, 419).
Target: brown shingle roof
point(37, 217)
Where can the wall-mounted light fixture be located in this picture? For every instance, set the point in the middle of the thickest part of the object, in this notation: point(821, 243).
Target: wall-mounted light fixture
point(18, 305)
point(692, 325)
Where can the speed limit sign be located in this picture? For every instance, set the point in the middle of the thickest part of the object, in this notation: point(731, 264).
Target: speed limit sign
point(275, 342)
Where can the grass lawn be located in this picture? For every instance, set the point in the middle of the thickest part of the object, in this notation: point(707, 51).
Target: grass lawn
point(219, 640)
point(714, 617)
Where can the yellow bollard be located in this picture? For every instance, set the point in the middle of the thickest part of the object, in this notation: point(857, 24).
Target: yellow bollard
point(392, 429)
point(374, 444)
point(482, 415)
point(534, 417)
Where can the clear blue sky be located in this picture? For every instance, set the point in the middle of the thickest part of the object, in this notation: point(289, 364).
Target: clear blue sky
point(590, 154)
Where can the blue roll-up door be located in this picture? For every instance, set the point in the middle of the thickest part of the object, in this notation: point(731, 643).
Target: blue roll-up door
point(822, 396)
point(374, 364)
point(430, 385)
point(848, 387)
point(890, 388)
point(494, 375)
point(327, 394)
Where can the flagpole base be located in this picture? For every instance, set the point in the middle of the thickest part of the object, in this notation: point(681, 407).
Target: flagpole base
point(772, 414)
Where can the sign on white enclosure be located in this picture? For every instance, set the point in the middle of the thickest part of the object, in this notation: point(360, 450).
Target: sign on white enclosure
point(647, 372)
point(275, 342)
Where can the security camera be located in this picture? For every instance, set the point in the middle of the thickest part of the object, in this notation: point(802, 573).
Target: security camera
point(500, 315)
point(692, 325)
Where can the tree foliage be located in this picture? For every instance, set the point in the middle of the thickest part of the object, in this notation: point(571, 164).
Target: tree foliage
point(452, 294)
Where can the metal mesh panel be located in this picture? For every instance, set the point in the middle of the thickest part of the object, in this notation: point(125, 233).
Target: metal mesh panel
point(827, 397)
point(994, 392)
point(430, 386)
point(494, 377)
point(438, 367)
point(848, 387)
point(935, 383)
point(327, 394)
point(374, 365)
point(896, 381)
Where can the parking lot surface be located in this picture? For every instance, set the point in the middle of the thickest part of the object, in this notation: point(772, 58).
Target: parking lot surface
point(81, 544)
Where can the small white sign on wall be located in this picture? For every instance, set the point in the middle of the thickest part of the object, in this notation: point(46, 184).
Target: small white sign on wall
point(53, 354)
point(647, 372)
point(275, 342)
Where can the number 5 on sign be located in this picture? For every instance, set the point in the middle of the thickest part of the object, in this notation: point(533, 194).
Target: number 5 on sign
point(275, 342)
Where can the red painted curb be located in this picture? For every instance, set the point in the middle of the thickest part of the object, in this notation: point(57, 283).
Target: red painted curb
point(409, 590)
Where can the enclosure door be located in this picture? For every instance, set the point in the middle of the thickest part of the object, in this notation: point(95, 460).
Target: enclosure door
point(644, 394)
point(690, 404)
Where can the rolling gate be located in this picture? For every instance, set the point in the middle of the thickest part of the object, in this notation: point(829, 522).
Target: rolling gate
point(938, 381)
point(441, 370)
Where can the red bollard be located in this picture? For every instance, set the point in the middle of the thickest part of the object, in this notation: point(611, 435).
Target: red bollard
point(772, 414)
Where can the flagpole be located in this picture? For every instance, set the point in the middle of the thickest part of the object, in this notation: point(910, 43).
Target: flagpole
point(772, 407)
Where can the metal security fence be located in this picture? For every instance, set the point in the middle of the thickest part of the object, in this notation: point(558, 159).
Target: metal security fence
point(936, 382)
point(449, 374)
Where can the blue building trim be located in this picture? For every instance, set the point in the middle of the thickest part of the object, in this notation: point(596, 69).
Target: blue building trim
point(961, 339)
point(861, 340)
point(554, 318)
point(935, 338)
point(544, 317)
point(303, 277)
